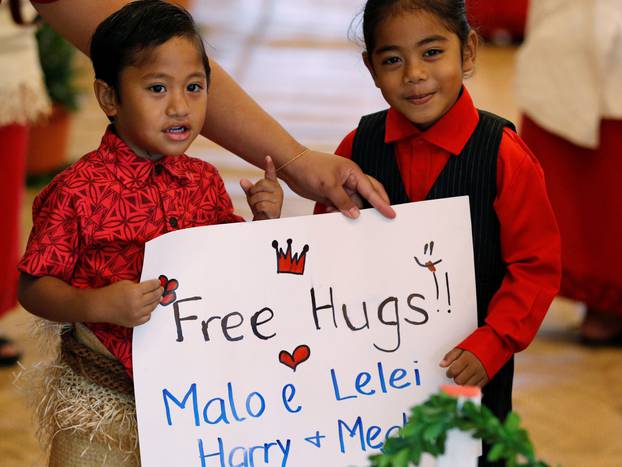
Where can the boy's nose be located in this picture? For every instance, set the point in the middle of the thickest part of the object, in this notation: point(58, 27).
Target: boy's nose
point(178, 105)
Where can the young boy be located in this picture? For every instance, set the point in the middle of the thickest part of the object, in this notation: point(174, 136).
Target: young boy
point(85, 252)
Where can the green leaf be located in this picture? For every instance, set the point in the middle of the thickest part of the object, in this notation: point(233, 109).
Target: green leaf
point(512, 422)
point(496, 452)
point(415, 454)
point(432, 432)
point(402, 459)
point(426, 432)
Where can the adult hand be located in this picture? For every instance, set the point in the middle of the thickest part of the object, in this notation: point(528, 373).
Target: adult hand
point(464, 368)
point(335, 181)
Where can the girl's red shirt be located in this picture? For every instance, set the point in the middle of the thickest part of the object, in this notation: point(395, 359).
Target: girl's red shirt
point(530, 242)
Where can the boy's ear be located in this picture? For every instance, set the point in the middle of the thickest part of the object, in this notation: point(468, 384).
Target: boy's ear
point(107, 97)
point(369, 66)
point(469, 54)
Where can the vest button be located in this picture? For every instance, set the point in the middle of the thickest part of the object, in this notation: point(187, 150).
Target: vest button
point(173, 222)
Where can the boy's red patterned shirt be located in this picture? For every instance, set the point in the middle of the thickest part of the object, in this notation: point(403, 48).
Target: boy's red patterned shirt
point(90, 224)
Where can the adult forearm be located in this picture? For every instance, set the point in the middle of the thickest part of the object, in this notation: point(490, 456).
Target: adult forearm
point(55, 300)
point(77, 20)
point(236, 122)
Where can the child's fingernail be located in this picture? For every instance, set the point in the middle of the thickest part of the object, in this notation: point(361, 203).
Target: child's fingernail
point(353, 212)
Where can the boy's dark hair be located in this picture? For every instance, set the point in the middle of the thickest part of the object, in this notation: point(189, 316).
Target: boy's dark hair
point(127, 36)
point(451, 12)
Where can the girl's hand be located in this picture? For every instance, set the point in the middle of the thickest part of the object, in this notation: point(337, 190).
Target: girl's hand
point(464, 368)
point(126, 303)
point(266, 196)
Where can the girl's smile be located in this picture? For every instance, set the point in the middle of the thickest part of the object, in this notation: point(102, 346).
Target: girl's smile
point(420, 99)
point(418, 65)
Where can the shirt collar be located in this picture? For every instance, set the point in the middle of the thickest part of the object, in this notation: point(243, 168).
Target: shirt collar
point(450, 133)
point(132, 170)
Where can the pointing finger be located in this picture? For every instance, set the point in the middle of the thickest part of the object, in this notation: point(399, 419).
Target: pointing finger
point(270, 169)
point(372, 191)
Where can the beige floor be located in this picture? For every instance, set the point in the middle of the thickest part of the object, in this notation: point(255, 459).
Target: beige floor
point(295, 59)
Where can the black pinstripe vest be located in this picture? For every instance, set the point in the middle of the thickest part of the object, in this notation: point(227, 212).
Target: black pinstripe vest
point(472, 173)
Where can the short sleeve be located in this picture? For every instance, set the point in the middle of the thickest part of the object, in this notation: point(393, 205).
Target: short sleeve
point(214, 190)
point(53, 245)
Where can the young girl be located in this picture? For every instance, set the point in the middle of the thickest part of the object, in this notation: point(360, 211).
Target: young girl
point(433, 143)
point(84, 255)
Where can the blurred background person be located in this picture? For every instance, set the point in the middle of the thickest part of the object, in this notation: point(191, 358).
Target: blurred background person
point(569, 79)
point(23, 100)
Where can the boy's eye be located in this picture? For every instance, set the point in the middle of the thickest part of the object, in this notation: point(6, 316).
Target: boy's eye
point(391, 60)
point(194, 87)
point(432, 52)
point(157, 88)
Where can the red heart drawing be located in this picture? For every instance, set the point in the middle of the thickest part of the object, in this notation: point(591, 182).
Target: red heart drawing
point(169, 295)
point(301, 354)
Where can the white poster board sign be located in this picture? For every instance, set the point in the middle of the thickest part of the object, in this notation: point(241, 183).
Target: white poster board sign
point(301, 353)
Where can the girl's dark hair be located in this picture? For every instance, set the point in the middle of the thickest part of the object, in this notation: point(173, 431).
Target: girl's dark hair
point(451, 12)
point(126, 37)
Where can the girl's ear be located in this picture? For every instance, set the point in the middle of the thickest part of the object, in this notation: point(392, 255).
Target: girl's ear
point(469, 54)
point(369, 66)
point(107, 97)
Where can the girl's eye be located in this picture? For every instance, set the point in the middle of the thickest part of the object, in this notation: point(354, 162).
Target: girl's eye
point(194, 87)
point(432, 52)
point(391, 61)
point(157, 88)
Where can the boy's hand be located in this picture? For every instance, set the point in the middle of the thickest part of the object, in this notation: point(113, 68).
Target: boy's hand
point(266, 196)
point(464, 368)
point(127, 303)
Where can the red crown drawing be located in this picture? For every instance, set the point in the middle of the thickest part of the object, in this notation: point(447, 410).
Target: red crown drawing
point(288, 264)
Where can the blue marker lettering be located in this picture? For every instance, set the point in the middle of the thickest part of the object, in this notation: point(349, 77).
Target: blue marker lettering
point(284, 450)
point(220, 453)
point(383, 384)
point(262, 404)
point(222, 412)
point(362, 379)
point(192, 391)
point(397, 375)
point(372, 433)
point(336, 387)
point(358, 427)
point(243, 462)
point(234, 412)
point(287, 394)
